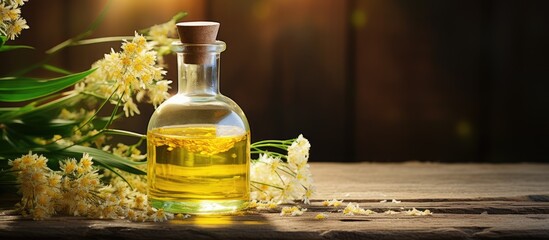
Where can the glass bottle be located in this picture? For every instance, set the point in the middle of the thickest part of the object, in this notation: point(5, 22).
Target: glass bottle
point(198, 141)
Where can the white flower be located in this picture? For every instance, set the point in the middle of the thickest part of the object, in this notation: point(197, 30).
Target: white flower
point(298, 153)
point(159, 92)
point(18, 2)
point(276, 180)
point(130, 108)
point(292, 190)
point(161, 216)
point(161, 38)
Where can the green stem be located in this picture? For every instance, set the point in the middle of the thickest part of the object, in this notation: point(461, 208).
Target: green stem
point(93, 26)
point(285, 142)
point(138, 143)
point(179, 16)
point(114, 112)
point(52, 51)
point(257, 146)
point(123, 133)
point(101, 40)
point(291, 173)
point(105, 131)
point(97, 111)
point(266, 184)
point(280, 177)
point(275, 154)
point(254, 186)
point(175, 18)
point(93, 94)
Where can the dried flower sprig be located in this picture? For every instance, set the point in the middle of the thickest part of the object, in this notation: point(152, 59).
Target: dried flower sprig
point(60, 123)
point(280, 178)
point(130, 74)
point(162, 36)
point(77, 190)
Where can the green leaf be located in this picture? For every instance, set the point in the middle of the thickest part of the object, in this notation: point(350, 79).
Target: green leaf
point(6, 48)
point(14, 112)
point(3, 40)
point(43, 129)
point(55, 69)
point(101, 122)
point(23, 89)
point(44, 108)
point(105, 159)
point(13, 141)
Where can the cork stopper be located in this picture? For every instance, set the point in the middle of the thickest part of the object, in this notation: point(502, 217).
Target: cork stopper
point(200, 32)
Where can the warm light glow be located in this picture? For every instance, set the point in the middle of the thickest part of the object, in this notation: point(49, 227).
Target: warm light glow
point(359, 18)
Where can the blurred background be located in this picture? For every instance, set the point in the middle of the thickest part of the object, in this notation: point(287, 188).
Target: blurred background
point(363, 80)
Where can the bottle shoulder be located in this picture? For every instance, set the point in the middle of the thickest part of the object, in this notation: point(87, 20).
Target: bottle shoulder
point(182, 109)
point(183, 102)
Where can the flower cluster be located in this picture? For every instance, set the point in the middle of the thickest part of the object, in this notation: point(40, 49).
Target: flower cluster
point(162, 36)
point(38, 185)
point(279, 181)
point(128, 76)
point(11, 23)
point(77, 190)
point(117, 176)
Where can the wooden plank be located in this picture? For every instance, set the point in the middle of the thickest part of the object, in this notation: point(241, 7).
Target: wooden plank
point(469, 201)
point(415, 180)
point(265, 226)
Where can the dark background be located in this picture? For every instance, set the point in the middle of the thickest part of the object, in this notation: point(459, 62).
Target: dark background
point(363, 80)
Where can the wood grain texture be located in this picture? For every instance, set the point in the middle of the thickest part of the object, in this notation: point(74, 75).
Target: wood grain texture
point(469, 201)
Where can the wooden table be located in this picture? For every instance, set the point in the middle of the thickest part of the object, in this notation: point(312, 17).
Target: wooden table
point(468, 201)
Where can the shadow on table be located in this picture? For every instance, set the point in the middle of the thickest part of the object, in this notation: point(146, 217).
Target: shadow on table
point(247, 226)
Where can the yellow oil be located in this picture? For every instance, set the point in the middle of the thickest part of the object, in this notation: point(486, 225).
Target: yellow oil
point(198, 169)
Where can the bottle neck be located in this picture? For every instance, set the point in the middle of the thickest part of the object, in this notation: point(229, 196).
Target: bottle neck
point(198, 78)
point(198, 68)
